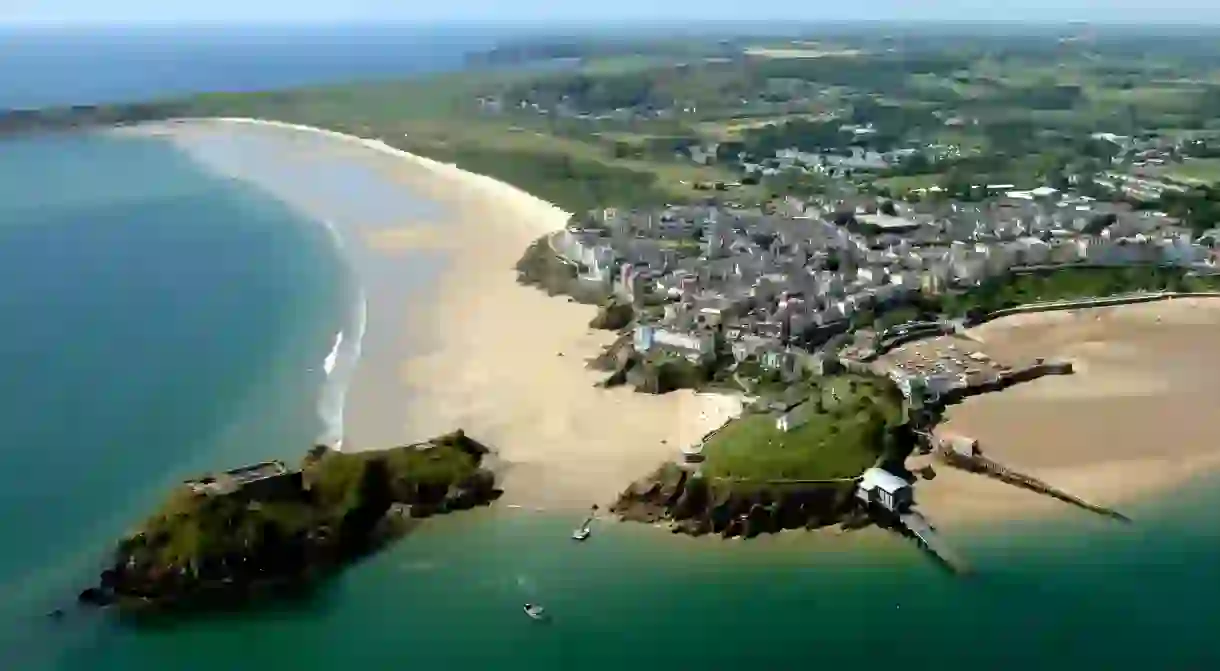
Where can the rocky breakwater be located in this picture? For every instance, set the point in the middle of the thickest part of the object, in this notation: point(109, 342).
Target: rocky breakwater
point(692, 504)
point(222, 540)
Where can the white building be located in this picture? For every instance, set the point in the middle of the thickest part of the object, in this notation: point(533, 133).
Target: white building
point(695, 346)
point(880, 487)
point(795, 417)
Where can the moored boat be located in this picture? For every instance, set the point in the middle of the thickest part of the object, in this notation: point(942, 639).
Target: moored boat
point(535, 612)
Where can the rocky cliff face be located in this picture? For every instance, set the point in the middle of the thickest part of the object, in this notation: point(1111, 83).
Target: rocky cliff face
point(697, 506)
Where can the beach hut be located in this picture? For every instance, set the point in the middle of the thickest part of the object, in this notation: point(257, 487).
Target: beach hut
point(879, 486)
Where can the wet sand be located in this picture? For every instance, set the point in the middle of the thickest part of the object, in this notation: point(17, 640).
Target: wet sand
point(1133, 420)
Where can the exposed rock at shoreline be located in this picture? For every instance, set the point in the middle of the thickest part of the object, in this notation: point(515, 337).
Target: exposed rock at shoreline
point(224, 540)
point(697, 506)
point(792, 466)
point(613, 316)
point(540, 267)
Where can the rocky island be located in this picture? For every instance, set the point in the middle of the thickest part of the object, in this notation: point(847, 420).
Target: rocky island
point(265, 529)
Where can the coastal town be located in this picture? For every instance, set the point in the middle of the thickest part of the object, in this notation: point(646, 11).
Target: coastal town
point(819, 228)
point(782, 303)
point(815, 277)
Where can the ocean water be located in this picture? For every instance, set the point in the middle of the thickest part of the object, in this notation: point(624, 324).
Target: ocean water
point(160, 319)
point(55, 65)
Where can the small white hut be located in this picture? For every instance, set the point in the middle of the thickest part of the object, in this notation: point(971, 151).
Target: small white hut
point(885, 489)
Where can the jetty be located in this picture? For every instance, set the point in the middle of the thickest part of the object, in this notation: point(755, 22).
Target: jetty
point(889, 494)
point(925, 534)
point(964, 453)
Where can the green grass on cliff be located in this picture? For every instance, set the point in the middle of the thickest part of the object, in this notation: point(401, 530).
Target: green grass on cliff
point(850, 430)
point(334, 479)
point(189, 527)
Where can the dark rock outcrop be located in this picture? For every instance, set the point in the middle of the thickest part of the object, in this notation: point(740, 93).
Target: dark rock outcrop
point(613, 316)
point(699, 506)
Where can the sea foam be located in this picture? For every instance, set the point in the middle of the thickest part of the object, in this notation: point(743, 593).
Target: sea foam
point(341, 362)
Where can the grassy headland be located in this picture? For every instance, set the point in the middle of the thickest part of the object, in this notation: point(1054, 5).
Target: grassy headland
point(216, 547)
point(851, 424)
point(756, 477)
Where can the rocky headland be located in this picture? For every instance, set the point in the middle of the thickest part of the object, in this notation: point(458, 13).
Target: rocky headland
point(223, 540)
point(791, 462)
point(697, 506)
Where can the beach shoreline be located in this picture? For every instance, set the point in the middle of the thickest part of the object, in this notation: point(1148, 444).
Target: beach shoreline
point(509, 367)
point(501, 360)
point(1127, 427)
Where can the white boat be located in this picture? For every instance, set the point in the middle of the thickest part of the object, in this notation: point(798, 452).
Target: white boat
point(535, 612)
point(583, 531)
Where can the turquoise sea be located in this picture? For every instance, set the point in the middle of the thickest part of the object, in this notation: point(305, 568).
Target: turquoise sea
point(160, 320)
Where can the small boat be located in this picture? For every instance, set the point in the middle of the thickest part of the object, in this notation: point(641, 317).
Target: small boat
point(535, 612)
point(583, 531)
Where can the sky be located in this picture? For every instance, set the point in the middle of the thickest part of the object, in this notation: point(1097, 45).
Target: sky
point(314, 11)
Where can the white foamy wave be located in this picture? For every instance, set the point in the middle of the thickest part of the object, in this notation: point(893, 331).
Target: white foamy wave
point(328, 364)
point(340, 364)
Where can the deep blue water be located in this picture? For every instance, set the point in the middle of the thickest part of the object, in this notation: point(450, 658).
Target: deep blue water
point(43, 67)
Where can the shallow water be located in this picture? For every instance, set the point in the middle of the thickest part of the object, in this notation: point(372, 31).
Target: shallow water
point(158, 321)
point(450, 596)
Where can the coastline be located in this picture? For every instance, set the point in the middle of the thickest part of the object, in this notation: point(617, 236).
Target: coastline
point(501, 360)
point(506, 362)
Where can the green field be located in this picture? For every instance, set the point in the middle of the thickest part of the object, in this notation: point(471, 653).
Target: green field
point(605, 131)
point(850, 430)
point(1194, 171)
point(563, 161)
point(906, 183)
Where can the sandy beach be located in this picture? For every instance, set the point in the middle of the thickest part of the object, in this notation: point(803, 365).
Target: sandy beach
point(1132, 421)
point(503, 361)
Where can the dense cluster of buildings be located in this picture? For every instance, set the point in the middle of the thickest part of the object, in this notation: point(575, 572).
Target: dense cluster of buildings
point(800, 274)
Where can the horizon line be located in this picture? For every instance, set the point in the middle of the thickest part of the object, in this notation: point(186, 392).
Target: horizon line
point(596, 21)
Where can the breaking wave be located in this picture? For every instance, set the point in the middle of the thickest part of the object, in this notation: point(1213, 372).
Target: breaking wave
point(340, 363)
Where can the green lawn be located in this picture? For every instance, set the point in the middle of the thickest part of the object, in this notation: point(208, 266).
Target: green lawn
point(906, 183)
point(842, 440)
point(438, 116)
